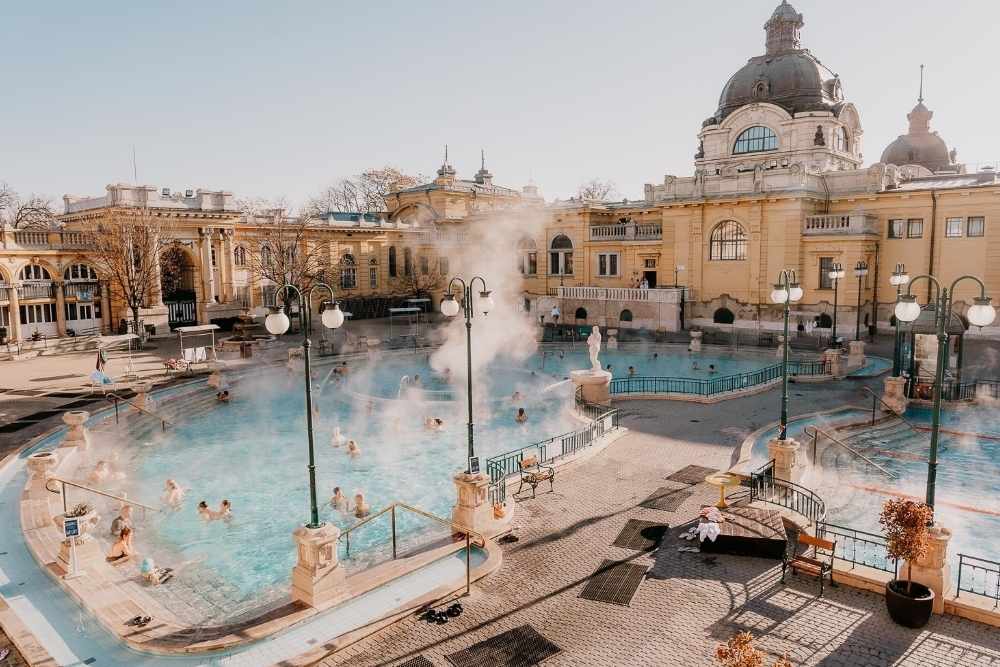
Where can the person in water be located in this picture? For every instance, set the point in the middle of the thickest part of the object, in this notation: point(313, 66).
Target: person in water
point(517, 397)
point(352, 449)
point(123, 520)
point(338, 440)
point(204, 512)
point(155, 574)
point(711, 368)
point(631, 372)
point(100, 475)
point(175, 494)
point(121, 550)
point(416, 380)
point(223, 396)
point(361, 508)
point(339, 500)
point(694, 366)
point(522, 416)
point(369, 406)
point(113, 469)
point(429, 423)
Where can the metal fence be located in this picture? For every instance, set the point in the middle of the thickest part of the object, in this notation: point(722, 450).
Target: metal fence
point(765, 487)
point(923, 388)
point(858, 547)
point(603, 419)
point(979, 576)
point(716, 385)
point(988, 389)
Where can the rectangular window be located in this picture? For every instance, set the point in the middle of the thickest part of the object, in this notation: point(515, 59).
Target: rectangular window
point(825, 266)
point(213, 255)
point(914, 228)
point(607, 264)
point(86, 312)
point(977, 226)
point(895, 229)
point(529, 264)
point(4, 316)
point(373, 276)
point(953, 227)
point(443, 265)
point(38, 313)
point(348, 278)
point(70, 311)
point(568, 263)
point(650, 263)
point(425, 265)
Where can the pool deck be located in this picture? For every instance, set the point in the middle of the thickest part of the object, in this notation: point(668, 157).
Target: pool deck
point(687, 603)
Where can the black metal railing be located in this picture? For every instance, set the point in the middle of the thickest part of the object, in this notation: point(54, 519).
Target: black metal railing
point(979, 576)
point(713, 386)
point(923, 388)
point(765, 487)
point(858, 547)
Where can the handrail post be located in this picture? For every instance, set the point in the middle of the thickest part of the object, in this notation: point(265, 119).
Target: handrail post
point(874, 402)
point(468, 564)
point(393, 532)
point(958, 593)
point(116, 409)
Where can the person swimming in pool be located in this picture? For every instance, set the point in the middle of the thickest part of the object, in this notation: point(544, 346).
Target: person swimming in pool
point(522, 416)
point(339, 500)
point(361, 508)
point(352, 449)
point(338, 440)
point(175, 494)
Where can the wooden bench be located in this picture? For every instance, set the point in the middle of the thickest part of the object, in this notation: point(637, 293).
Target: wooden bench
point(532, 473)
point(814, 565)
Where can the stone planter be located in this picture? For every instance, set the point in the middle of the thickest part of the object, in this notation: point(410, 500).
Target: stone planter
point(41, 464)
point(86, 522)
point(910, 612)
point(77, 435)
point(88, 550)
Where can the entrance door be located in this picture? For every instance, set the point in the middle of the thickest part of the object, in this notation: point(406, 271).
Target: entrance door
point(650, 277)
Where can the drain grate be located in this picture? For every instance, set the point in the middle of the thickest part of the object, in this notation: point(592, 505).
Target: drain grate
point(667, 499)
point(640, 535)
point(520, 647)
point(692, 474)
point(614, 582)
point(419, 661)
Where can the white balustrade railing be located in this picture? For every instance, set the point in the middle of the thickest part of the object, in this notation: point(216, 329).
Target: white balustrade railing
point(668, 295)
point(647, 231)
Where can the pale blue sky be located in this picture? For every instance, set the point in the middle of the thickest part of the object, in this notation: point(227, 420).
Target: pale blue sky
point(284, 97)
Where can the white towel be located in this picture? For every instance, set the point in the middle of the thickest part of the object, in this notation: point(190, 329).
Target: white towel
point(199, 354)
point(189, 354)
point(709, 530)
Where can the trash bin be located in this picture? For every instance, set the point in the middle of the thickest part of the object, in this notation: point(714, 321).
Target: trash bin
point(246, 350)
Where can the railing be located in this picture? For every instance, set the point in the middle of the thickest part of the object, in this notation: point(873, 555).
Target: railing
point(767, 488)
point(31, 238)
point(857, 222)
point(815, 436)
point(36, 291)
point(647, 231)
point(4, 293)
point(923, 388)
point(878, 399)
point(980, 576)
point(392, 508)
point(88, 291)
point(603, 419)
point(113, 396)
point(659, 295)
point(713, 386)
point(92, 490)
point(443, 238)
point(858, 547)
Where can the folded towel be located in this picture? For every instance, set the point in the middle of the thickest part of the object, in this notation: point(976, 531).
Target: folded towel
point(708, 529)
point(189, 354)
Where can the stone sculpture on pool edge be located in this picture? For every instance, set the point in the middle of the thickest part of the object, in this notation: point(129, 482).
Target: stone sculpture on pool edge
point(594, 340)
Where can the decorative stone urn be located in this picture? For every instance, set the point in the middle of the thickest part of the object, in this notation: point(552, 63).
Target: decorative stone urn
point(319, 578)
point(612, 339)
point(77, 436)
point(41, 464)
point(88, 550)
point(933, 570)
point(695, 341)
point(142, 394)
point(296, 359)
point(856, 358)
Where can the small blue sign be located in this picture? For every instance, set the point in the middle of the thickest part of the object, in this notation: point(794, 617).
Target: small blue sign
point(474, 465)
point(71, 528)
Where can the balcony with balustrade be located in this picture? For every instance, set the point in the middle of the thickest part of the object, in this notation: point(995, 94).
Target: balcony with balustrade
point(25, 239)
point(439, 239)
point(82, 291)
point(29, 291)
point(855, 223)
point(630, 231)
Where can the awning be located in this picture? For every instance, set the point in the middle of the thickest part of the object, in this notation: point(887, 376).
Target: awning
point(201, 328)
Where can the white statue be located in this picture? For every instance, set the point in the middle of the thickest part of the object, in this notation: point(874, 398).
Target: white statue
point(594, 340)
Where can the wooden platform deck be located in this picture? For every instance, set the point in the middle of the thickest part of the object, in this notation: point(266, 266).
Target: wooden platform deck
point(754, 532)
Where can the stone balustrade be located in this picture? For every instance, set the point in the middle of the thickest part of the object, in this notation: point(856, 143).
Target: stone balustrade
point(620, 294)
point(647, 231)
point(856, 223)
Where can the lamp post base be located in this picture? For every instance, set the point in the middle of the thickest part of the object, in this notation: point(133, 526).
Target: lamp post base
point(893, 396)
point(473, 509)
point(594, 386)
point(788, 465)
point(933, 570)
point(856, 358)
point(318, 579)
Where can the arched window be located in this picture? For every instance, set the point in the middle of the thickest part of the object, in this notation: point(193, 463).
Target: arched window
point(240, 256)
point(842, 142)
point(728, 241)
point(373, 272)
point(527, 256)
point(581, 313)
point(80, 272)
point(407, 262)
point(265, 256)
point(561, 256)
point(755, 139)
point(825, 321)
point(348, 272)
point(723, 316)
point(625, 316)
point(392, 262)
point(34, 273)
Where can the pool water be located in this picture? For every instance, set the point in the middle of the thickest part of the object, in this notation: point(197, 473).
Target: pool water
point(252, 451)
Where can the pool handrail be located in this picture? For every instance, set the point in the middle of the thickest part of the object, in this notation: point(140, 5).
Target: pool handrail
point(116, 397)
point(797, 498)
point(815, 436)
point(901, 417)
point(64, 482)
point(427, 515)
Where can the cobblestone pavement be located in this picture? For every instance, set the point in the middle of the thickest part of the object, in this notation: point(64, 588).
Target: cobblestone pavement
point(688, 602)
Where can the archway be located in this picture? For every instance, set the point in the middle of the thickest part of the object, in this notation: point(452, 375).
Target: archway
point(825, 321)
point(625, 316)
point(581, 314)
point(723, 316)
point(177, 287)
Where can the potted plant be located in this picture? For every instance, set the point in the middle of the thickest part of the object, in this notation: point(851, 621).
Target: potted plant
point(83, 511)
point(740, 652)
point(3, 335)
point(906, 537)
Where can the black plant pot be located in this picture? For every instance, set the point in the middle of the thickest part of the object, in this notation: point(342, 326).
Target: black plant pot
point(910, 612)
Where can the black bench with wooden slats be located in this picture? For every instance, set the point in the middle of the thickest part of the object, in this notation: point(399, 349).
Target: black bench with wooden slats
point(533, 473)
point(814, 565)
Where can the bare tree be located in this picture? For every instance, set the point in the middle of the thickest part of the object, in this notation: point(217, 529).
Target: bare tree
point(28, 212)
point(125, 246)
point(363, 193)
point(598, 189)
point(419, 276)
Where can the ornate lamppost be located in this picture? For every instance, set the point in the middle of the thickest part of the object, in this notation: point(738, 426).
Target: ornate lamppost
point(277, 323)
point(860, 271)
point(980, 314)
point(786, 291)
point(836, 273)
point(898, 278)
point(450, 308)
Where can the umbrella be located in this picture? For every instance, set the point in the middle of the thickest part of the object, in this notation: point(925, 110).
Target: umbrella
point(102, 358)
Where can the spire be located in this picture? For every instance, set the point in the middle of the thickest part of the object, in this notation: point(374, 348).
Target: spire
point(446, 171)
point(920, 97)
point(484, 177)
point(783, 29)
point(920, 117)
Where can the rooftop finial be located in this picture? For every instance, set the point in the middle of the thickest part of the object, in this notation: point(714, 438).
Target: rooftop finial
point(921, 97)
point(446, 153)
point(482, 165)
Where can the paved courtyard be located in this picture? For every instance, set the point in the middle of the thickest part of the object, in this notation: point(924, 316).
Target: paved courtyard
point(687, 603)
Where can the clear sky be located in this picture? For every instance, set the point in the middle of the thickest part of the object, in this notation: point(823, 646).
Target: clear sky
point(269, 98)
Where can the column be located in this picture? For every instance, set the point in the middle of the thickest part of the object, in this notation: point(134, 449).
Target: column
point(227, 265)
point(60, 308)
point(156, 300)
point(15, 312)
point(105, 307)
point(207, 279)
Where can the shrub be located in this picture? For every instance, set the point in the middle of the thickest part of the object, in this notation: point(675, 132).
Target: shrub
point(81, 509)
point(740, 652)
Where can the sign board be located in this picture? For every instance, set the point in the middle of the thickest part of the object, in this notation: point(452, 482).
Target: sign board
point(681, 268)
point(474, 465)
point(71, 528)
point(84, 295)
